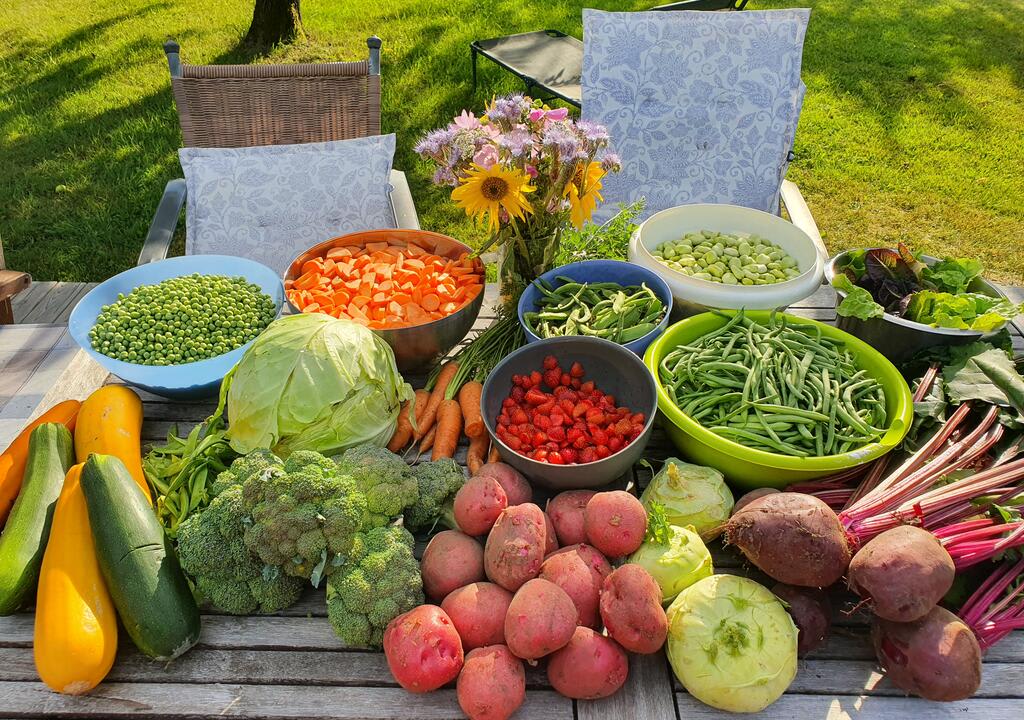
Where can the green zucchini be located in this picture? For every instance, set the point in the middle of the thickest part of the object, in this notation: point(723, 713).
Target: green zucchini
point(51, 451)
point(138, 563)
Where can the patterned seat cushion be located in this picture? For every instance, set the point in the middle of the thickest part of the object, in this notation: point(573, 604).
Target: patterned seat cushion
point(270, 203)
point(702, 107)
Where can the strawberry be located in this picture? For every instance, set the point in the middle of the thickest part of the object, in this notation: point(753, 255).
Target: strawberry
point(550, 362)
point(576, 370)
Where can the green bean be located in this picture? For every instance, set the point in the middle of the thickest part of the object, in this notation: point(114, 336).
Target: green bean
point(779, 386)
point(605, 309)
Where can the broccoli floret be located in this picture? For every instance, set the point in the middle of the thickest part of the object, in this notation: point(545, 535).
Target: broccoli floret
point(384, 478)
point(243, 468)
point(304, 515)
point(380, 581)
point(438, 482)
point(212, 551)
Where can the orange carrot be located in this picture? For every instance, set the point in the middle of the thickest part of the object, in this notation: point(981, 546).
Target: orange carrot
point(449, 428)
point(13, 459)
point(420, 408)
point(475, 454)
point(403, 430)
point(428, 440)
point(494, 456)
point(469, 401)
point(436, 396)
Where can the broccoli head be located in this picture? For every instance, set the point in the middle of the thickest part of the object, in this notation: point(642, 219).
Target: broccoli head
point(384, 478)
point(243, 468)
point(305, 515)
point(212, 551)
point(438, 481)
point(380, 581)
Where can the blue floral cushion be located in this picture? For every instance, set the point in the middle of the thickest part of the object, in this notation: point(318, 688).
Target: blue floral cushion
point(270, 203)
point(702, 107)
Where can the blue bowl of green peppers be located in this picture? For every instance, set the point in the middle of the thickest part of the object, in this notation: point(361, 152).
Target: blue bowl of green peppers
point(562, 282)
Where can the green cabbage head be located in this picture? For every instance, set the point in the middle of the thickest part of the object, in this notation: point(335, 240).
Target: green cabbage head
point(675, 556)
point(731, 643)
point(691, 495)
point(312, 382)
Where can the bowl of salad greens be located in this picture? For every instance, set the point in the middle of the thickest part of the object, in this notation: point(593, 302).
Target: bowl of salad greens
point(901, 302)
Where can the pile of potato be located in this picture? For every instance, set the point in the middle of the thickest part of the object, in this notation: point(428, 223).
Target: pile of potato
point(540, 586)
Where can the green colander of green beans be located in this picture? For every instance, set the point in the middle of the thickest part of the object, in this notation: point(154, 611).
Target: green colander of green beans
point(770, 399)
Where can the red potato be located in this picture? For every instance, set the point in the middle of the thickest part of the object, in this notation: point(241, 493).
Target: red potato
point(492, 685)
point(581, 583)
point(515, 547)
point(791, 537)
point(631, 609)
point(478, 613)
point(750, 497)
point(902, 573)
point(450, 560)
point(597, 562)
point(811, 612)
point(936, 657)
point(550, 538)
point(540, 619)
point(566, 513)
point(615, 523)
point(423, 649)
point(589, 667)
point(478, 504)
point(515, 485)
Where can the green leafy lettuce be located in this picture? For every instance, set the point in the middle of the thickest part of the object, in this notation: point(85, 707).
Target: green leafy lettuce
point(966, 311)
point(858, 302)
point(311, 382)
point(952, 275)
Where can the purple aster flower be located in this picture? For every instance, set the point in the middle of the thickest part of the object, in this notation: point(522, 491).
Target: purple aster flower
point(444, 176)
point(518, 142)
point(560, 137)
point(435, 142)
point(611, 163)
point(593, 132)
point(510, 109)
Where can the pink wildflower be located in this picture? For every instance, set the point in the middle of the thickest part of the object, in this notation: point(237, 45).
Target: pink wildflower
point(486, 156)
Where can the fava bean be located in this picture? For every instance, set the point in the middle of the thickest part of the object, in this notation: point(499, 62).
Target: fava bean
point(726, 258)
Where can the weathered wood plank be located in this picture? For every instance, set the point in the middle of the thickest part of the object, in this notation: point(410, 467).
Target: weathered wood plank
point(246, 667)
point(55, 304)
point(24, 302)
point(268, 702)
point(647, 694)
point(850, 707)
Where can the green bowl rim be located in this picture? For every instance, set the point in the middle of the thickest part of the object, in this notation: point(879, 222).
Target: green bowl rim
point(899, 425)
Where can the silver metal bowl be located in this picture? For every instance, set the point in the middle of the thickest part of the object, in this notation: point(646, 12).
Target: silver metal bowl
point(613, 369)
point(897, 338)
point(417, 346)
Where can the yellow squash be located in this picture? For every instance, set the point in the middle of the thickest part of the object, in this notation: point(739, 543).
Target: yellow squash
point(110, 423)
point(76, 624)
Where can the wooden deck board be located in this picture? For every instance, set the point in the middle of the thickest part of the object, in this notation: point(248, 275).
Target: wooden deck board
point(292, 665)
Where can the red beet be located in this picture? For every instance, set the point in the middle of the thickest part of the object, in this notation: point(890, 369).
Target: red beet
point(793, 538)
point(936, 657)
point(811, 612)
point(903, 573)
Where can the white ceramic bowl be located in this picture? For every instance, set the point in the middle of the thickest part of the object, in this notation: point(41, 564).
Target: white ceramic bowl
point(693, 295)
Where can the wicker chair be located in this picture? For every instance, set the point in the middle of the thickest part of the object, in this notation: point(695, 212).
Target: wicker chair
point(11, 283)
point(250, 105)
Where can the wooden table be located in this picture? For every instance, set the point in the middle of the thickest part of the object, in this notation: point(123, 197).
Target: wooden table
point(292, 666)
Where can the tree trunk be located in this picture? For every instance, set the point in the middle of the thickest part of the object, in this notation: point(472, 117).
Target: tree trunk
point(274, 22)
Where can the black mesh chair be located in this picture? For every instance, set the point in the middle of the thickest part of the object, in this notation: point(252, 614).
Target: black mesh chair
point(551, 61)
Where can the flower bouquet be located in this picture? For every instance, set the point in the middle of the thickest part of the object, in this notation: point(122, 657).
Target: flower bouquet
point(527, 170)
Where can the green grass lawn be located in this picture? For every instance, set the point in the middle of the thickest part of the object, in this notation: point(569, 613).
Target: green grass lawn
point(911, 129)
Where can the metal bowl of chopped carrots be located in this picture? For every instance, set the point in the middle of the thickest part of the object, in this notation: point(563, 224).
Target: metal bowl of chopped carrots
point(419, 291)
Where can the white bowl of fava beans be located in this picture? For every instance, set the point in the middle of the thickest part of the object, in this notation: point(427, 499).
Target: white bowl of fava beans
point(694, 295)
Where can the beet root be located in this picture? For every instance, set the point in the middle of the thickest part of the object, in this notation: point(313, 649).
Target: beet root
point(811, 612)
point(902, 573)
point(936, 657)
point(750, 497)
point(793, 538)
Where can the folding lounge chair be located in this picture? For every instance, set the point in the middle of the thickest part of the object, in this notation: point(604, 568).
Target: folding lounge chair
point(232, 106)
point(718, 135)
point(551, 61)
point(11, 283)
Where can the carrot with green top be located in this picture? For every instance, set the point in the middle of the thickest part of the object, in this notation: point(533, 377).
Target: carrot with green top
point(436, 397)
point(449, 429)
point(472, 415)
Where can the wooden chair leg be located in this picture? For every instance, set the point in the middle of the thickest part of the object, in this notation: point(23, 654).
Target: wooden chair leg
point(6, 313)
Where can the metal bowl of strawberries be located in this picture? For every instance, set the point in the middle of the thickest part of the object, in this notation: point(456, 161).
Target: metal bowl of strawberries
point(570, 412)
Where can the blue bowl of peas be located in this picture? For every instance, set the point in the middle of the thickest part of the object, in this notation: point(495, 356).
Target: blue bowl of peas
point(183, 378)
point(634, 336)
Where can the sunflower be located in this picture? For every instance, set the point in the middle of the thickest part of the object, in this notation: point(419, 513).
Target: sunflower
point(490, 190)
point(584, 192)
